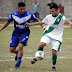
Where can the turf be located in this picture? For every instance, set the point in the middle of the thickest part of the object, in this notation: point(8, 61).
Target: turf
point(64, 62)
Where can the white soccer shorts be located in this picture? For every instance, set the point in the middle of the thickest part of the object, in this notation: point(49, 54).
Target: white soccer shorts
point(54, 44)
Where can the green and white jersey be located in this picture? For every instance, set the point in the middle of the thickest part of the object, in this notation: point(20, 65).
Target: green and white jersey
point(54, 28)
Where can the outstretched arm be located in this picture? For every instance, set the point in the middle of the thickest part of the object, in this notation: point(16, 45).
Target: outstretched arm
point(68, 21)
point(36, 23)
point(5, 25)
point(33, 24)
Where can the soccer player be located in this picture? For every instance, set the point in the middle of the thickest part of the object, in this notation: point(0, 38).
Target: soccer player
point(21, 33)
point(53, 32)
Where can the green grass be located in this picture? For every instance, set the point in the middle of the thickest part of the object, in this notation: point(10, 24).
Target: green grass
point(63, 64)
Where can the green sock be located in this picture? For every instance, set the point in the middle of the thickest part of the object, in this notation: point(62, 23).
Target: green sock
point(54, 58)
point(40, 48)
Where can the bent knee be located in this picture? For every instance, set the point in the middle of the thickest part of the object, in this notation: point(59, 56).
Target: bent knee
point(54, 52)
point(12, 49)
point(42, 44)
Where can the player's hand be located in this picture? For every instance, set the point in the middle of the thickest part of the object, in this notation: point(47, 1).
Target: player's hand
point(28, 24)
point(70, 24)
point(44, 28)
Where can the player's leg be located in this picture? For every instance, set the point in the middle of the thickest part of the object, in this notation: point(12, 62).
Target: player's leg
point(40, 48)
point(13, 50)
point(22, 42)
point(55, 48)
point(54, 59)
point(13, 44)
point(44, 41)
point(19, 55)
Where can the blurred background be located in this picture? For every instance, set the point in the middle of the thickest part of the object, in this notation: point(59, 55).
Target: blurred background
point(9, 6)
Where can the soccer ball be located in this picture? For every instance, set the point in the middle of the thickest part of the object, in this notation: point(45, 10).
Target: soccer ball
point(39, 55)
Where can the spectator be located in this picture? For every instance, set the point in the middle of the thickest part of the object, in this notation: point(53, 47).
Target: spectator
point(60, 8)
point(35, 4)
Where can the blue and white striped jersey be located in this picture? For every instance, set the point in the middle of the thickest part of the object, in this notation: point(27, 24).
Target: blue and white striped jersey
point(19, 22)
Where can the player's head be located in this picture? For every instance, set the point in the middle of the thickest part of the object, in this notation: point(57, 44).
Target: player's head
point(21, 8)
point(54, 9)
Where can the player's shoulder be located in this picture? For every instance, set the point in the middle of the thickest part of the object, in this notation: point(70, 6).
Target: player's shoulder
point(62, 15)
point(48, 15)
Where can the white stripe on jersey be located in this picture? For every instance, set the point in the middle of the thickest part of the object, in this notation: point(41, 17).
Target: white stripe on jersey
point(21, 20)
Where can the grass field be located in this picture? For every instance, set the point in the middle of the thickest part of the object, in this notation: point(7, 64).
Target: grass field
point(64, 62)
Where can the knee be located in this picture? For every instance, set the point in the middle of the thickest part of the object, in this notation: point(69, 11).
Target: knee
point(54, 52)
point(11, 50)
point(20, 48)
point(42, 44)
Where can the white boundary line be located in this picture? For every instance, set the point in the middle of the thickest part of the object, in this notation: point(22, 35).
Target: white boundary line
point(30, 58)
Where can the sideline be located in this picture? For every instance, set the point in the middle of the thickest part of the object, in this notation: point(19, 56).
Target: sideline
point(8, 60)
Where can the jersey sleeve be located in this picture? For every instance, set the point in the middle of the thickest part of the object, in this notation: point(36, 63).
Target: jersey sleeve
point(33, 17)
point(10, 19)
point(63, 18)
point(45, 20)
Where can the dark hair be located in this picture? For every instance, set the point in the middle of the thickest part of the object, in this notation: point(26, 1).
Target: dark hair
point(21, 4)
point(54, 5)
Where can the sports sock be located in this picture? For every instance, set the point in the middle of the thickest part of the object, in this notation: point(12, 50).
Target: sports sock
point(18, 61)
point(54, 58)
point(40, 48)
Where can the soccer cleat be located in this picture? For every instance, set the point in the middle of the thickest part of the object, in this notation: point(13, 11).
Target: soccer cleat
point(53, 68)
point(16, 57)
point(33, 61)
point(16, 67)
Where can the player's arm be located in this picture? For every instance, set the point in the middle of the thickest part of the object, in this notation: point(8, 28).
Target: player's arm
point(36, 23)
point(41, 24)
point(5, 25)
point(37, 20)
point(68, 21)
